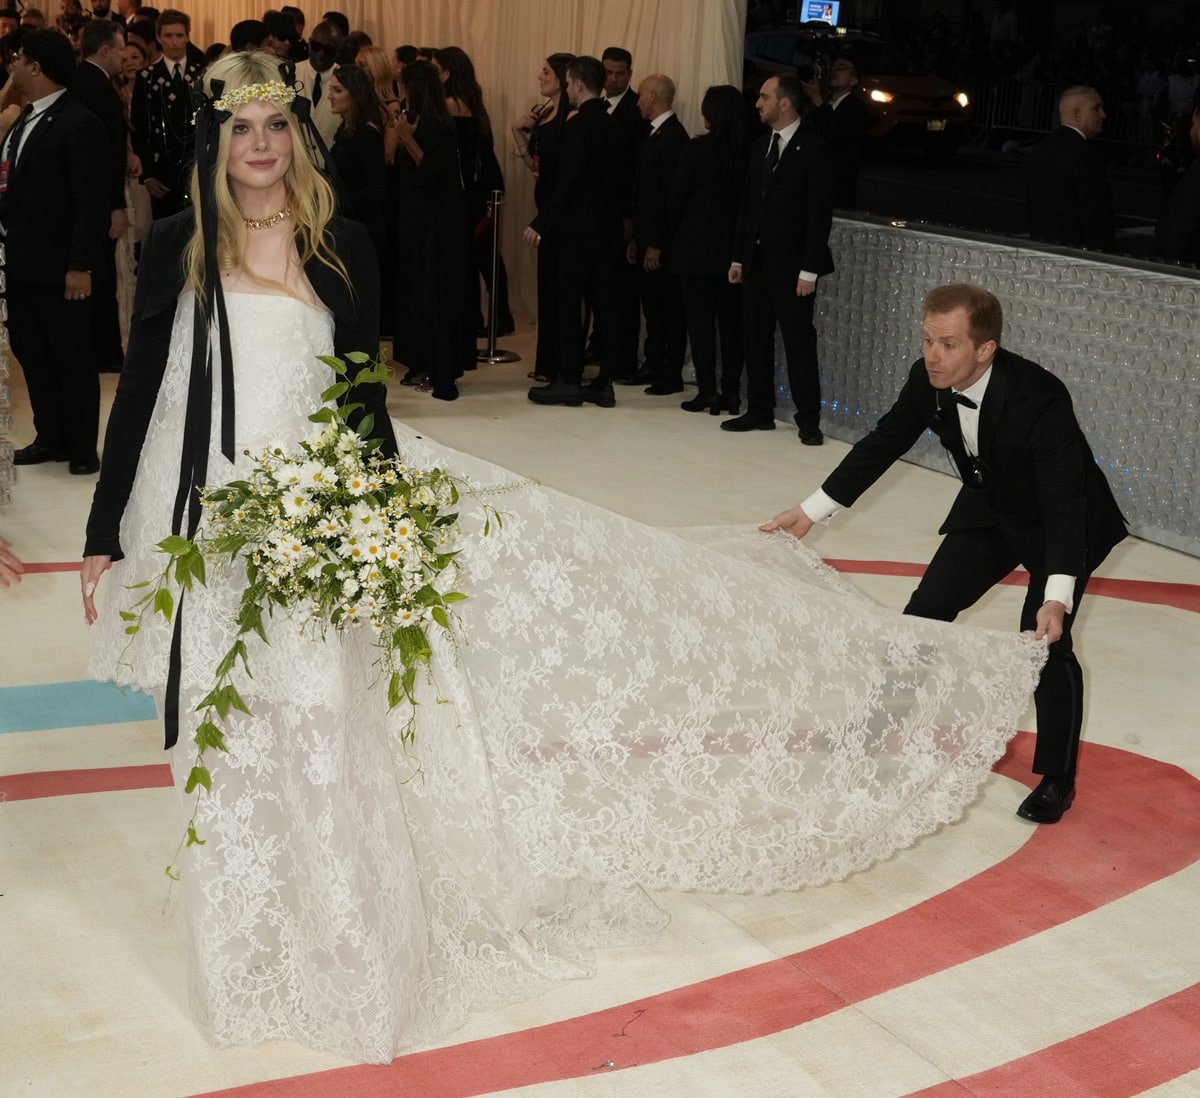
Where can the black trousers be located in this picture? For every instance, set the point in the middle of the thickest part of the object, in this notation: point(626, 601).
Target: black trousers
point(765, 305)
point(585, 269)
point(713, 309)
point(967, 564)
point(52, 339)
point(546, 362)
point(666, 329)
point(106, 323)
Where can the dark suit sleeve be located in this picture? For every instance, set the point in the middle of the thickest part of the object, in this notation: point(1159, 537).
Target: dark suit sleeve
point(1177, 234)
point(91, 87)
point(656, 221)
point(141, 377)
point(572, 162)
point(750, 187)
point(819, 223)
point(1095, 199)
point(86, 161)
point(894, 435)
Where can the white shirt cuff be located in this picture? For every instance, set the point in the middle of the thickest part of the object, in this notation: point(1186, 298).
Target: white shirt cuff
point(1061, 588)
point(820, 507)
point(807, 276)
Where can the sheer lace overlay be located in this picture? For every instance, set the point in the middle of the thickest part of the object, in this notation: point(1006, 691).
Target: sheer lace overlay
point(625, 708)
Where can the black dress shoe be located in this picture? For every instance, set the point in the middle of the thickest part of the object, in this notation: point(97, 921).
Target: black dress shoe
point(659, 390)
point(732, 405)
point(751, 421)
point(84, 468)
point(701, 402)
point(1047, 803)
point(558, 392)
point(641, 377)
point(599, 393)
point(811, 436)
point(35, 453)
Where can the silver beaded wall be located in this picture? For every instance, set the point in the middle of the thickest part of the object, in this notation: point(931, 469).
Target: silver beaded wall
point(1124, 338)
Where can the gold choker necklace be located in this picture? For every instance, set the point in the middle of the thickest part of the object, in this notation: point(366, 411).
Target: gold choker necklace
point(254, 223)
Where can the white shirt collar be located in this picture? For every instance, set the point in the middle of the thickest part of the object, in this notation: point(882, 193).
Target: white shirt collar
point(656, 122)
point(612, 102)
point(46, 102)
point(976, 391)
point(786, 135)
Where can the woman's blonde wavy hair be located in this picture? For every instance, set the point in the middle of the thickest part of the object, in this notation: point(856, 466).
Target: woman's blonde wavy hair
point(309, 195)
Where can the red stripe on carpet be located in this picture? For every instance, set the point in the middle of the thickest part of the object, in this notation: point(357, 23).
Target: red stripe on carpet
point(54, 566)
point(1182, 596)
point(1111, 844)
point(66, 783)
point(1105, 1060)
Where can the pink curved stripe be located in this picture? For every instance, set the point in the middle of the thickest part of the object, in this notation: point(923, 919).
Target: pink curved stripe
point(1136, 821)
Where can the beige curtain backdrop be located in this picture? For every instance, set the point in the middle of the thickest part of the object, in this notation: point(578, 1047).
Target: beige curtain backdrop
point(695, 42)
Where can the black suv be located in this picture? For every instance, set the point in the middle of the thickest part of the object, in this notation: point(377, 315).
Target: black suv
point(907, 105)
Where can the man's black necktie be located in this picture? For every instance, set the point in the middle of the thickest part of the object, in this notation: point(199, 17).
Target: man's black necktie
point(14, 135)
point(316, 97)
point(772, 161)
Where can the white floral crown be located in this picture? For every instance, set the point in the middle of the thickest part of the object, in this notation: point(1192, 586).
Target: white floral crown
point(274, 91)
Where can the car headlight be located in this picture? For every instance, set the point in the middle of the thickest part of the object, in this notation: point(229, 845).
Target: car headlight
point(878, 95)
point(962, 100)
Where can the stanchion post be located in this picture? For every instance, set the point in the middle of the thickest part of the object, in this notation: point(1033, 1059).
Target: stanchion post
point(491, 354)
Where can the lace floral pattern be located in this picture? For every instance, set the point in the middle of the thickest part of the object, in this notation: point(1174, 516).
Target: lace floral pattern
point(627, 708)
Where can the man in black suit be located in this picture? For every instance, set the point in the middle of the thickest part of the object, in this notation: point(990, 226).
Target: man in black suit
point(583, 215)
point(1032, 495)
point(621, 361)
point(843, 119)
point(662, 304)
point(162, 115)
point(54, 217)
point(780, 248)
point(1067, 192)
point(101, 43)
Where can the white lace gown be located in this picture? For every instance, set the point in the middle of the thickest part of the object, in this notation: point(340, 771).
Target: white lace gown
point(625, 709)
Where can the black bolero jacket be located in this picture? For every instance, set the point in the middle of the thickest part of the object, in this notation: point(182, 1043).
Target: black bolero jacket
point(355, 309)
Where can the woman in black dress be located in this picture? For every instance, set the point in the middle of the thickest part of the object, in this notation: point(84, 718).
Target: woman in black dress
point(430, 335)
point(537, 136)
point(358, 154)
point(481, 175)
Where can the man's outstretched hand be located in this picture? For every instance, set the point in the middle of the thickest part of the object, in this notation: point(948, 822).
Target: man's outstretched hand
point(794, 521)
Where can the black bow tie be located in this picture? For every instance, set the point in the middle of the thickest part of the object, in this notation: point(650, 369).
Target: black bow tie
point(965, 401)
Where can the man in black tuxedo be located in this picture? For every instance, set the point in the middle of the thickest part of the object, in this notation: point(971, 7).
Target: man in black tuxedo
point(1032, 495)
point(662, 303)
point(780, 248)
point(1067, 193)
point(162, 115)
point(621, 360)
point(54, 217)
point(843, 119)
point(101, 43)
point(583, 216)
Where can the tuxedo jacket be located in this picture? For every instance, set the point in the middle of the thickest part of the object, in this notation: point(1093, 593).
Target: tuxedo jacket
point(161, 116)
point(1042, 487)
point(56, 211)
point(632, 125)
point(92, 87)
point(590, 189)
point(703, 207)
point(845, 128)
point(652, 185)
point(355, 309)
point(1068, 197)
point(784, 228)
